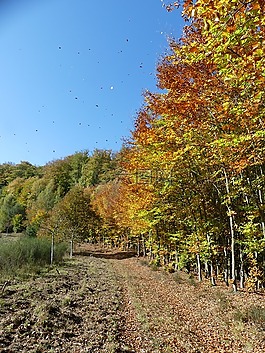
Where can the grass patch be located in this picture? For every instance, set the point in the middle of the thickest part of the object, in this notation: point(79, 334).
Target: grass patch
point(25, 255)
point(192, 281)
point(144, 262)
point(222, 300)
point(178, 277)
point(140, 314)
point(154, 265)
point(255, 314)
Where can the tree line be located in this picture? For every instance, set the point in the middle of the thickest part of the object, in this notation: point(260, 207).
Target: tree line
point(187, 189)
point(40, 199)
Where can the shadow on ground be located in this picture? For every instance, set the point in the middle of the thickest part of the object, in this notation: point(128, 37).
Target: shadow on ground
point(120, 255)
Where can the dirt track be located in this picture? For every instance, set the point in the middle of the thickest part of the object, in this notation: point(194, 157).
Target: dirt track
point(112, 302)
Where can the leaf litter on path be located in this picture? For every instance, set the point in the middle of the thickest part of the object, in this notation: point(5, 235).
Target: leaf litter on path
point(110, 302)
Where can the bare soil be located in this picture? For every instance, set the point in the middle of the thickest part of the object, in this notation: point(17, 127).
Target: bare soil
point(111, 301)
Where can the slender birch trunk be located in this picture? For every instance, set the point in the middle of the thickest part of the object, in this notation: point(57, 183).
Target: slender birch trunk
point(242, 272)
point(232, 233)
point(150, 255)
point(211, 263)
point(206, 269)
point(176, 260)
point(226, 270)
point(212, 274)
point(71, 245)
point(199, 267)
point(144, 248)
point(138, 246)
point(261, 202)
point(52, 249)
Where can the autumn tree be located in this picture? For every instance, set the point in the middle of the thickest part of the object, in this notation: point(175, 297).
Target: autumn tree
point(199, 142)
point(75, 217)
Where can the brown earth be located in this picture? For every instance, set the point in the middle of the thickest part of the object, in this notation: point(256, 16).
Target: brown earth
point(107, 301)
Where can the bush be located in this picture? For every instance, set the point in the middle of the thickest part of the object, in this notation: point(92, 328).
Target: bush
point(32, 230)
point(27, 254)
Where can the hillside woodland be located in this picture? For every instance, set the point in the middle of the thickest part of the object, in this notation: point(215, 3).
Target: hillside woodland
point(187, 188)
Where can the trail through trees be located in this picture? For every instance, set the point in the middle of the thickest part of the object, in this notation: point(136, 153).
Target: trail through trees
point(111, 302)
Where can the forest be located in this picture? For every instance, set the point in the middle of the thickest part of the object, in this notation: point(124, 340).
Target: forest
point(187, 188)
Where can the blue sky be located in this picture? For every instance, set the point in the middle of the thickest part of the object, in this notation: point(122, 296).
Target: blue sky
point(73, 73)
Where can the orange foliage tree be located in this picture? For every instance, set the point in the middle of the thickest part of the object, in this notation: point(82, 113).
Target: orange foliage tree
point(199, 142)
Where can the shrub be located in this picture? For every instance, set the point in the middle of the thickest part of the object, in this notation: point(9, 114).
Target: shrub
point(32, 230)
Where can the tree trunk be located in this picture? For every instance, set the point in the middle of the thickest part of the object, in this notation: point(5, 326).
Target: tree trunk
point(233, 262)
point(144, 248)
point(226, 269)
point(138, 246)
point(232, 233)
point(212, 274)
point(176, 260)
point(211, 263)
point(52, 248)
point(242, 273)
point(199, 267)
point(262, 205)
point(150, 254)
point(71, 246)
point(206, 269)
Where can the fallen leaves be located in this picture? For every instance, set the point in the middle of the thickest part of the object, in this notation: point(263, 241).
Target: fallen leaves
point(110, 303)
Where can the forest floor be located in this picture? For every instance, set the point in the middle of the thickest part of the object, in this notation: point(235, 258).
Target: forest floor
point(106, 301)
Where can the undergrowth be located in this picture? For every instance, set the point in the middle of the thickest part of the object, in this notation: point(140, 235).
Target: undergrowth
point(255, 314)
point(27, 255)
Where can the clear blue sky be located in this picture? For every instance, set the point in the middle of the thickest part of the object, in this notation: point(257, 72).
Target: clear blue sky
point(72, 73)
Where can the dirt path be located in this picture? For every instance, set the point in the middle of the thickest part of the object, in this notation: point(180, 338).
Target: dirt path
point(112, 302)
point(176, 314)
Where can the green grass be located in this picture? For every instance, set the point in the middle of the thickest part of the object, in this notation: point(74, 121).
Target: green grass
point(254, 314)
point(26, 254)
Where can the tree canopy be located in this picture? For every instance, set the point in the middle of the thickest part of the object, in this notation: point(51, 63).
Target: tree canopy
point(187, 189)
